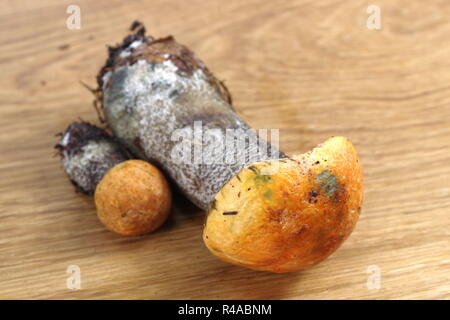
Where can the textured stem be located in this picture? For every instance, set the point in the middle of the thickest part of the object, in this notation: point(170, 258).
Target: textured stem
point(87, 153)
point(157, 95)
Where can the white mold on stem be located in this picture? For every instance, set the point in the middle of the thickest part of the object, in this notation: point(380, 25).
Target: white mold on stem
point(145, 103)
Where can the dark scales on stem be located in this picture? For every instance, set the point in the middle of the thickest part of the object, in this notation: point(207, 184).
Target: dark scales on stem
point(87, 153)
point(78, 135)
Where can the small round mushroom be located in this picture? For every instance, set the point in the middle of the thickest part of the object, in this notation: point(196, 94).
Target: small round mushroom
point(133, 198)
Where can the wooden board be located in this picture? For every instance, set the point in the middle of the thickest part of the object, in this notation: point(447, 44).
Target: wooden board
point(310, 68)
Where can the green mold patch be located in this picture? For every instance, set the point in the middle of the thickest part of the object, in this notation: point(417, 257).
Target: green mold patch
point(328, 182)
point(120, 165)
point(260, 179)
point(268, 194)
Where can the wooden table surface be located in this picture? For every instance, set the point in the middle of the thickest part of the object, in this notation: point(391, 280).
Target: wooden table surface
point(310, 68)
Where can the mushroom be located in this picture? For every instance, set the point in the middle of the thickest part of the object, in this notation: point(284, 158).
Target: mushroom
point(132, 197)
point(266, 210)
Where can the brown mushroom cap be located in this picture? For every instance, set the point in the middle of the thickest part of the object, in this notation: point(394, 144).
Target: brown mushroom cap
point(294, 217)
point(133, 198)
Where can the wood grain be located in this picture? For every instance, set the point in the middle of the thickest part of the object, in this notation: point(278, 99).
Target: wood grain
point(310, 68)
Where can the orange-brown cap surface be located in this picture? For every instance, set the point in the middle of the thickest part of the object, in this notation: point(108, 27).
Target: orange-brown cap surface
point(292, 218)
point(133, 198)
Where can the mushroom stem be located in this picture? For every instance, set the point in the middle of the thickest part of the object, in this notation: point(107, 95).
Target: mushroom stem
point(87, 153)
point(162, 103)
